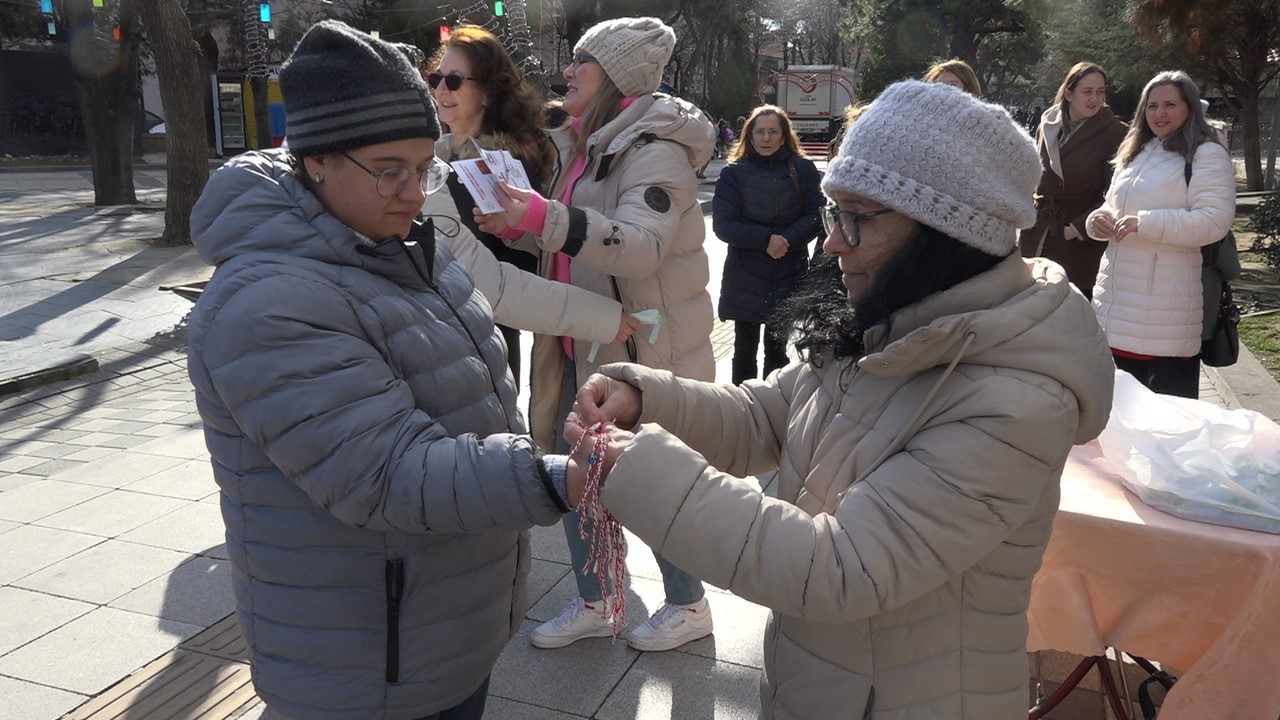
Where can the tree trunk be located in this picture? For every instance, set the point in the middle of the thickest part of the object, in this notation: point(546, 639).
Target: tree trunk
point(1252, 142)
point(181, 92)
point(106, 75)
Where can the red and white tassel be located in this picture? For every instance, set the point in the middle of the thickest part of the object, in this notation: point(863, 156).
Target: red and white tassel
point(608, 555)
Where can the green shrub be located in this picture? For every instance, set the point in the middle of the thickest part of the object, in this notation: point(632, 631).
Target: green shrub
point(1265, 221)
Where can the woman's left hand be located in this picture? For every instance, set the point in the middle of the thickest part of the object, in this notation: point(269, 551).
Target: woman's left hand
point(515, 204)
point(1126, 226)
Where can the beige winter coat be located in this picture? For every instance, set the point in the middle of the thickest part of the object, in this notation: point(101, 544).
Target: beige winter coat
point(634, 230)
point(898, 577)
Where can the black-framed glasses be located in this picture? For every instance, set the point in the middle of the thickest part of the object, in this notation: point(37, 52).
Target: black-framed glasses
point(848, 222)
point(453, 81)
point(580, 58)
point(392, 181)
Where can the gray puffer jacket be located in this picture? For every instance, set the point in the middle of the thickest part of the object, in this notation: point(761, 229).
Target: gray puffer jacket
point(364, 433)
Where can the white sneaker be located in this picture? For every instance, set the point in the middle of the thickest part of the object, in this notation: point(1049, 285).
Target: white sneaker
point(579, 620)
point(672, 626)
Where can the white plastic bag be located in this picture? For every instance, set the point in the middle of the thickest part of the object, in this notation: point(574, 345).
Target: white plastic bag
point(1194, 459)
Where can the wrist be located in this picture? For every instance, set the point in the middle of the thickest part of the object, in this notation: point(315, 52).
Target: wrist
point(535, 216)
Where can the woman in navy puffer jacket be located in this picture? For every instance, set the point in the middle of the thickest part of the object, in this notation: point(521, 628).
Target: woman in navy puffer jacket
point(766, 207)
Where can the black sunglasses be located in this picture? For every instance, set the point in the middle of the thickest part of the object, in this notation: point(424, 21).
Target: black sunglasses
point(451, 81)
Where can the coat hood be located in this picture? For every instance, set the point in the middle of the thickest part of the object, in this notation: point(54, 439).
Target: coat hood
point(664, 117)
point(1020, 314)
point(256, 204)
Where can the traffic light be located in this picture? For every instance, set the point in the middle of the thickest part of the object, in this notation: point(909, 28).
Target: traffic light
point(499, 8)
point(445, 34)
point(264, 12)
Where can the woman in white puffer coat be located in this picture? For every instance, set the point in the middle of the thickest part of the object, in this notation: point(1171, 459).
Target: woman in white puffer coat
point(1172, 193)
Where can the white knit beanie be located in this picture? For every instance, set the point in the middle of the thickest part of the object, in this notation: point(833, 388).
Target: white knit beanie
point(943, 158)
point(633, 51)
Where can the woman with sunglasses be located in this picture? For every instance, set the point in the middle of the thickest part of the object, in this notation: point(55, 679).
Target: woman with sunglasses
point(766, 209)
point(376, 481)
point(485, 102)
point(918, 450)
point(623, 220)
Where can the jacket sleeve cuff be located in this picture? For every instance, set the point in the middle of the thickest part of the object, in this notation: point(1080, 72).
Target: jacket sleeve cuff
point(554, 471)
point(535, 219)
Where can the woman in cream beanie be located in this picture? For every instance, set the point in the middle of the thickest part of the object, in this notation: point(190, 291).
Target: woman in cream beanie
point(918, 444)
point(622, 219)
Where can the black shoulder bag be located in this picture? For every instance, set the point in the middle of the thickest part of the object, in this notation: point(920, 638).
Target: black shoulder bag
point(1219, 266)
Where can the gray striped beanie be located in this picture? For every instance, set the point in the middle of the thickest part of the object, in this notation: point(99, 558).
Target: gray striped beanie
point(345, 89)
point(945, 159)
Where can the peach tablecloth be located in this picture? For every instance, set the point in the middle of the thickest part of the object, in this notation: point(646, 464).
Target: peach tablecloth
point(1198, 597)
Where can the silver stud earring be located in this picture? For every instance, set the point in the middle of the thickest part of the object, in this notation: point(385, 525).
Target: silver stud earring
point(317, 178)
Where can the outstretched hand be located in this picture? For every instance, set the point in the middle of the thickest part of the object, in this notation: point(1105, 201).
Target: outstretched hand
point(603, 400)
point(626, 327)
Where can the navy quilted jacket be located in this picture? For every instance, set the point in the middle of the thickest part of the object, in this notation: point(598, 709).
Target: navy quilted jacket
point(755, 198)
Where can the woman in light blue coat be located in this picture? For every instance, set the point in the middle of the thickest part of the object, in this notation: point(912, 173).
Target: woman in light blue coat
point(376, 481)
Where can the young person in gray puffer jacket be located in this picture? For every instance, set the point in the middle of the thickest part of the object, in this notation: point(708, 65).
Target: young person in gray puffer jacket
point(377, 484)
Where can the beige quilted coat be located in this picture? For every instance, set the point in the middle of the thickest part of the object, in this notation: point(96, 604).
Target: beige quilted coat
point(898, 578)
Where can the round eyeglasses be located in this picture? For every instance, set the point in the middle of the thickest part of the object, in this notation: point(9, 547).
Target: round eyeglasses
point(453, 81)
point(848, 222)
point(392, 181)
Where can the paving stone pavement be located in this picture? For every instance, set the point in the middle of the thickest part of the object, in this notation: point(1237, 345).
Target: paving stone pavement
point(113, 572)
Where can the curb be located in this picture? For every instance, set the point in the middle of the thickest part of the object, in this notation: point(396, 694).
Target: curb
point(66, 370)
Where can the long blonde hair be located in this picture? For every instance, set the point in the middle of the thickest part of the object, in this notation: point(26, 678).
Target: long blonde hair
point(789, 138)
point(1184, 140)
point(604, 107)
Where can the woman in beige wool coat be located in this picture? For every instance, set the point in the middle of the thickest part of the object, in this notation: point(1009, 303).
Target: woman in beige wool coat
point(918, 449)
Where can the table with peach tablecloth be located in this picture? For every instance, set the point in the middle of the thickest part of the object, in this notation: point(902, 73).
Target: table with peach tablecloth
point(1201, 598)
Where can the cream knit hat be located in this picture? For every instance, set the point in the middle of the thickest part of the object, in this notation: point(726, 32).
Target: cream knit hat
point(943, 158)
point(633, 51)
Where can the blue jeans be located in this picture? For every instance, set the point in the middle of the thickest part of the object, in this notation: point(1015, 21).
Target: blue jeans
point(681, 587)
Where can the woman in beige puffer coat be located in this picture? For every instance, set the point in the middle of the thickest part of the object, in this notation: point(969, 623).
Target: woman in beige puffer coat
point(918, 450)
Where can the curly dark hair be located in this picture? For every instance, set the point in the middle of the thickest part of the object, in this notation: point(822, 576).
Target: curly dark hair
point(825, 324)
point(515, 106)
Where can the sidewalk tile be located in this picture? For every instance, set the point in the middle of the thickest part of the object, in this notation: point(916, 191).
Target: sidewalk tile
point(195, 528)
point(75, 657)
point(198, 592)
point(186, 443)
point(52, 467)
point(118, 470)
point(677, 685)
point(104, 572)
point(575, 679)
point(548, 543)
point(113, 513)
point(29, 701)
point(28, 615)
point(29, 548)
point(499, 708)
point(189, 480)
point(42, 498)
